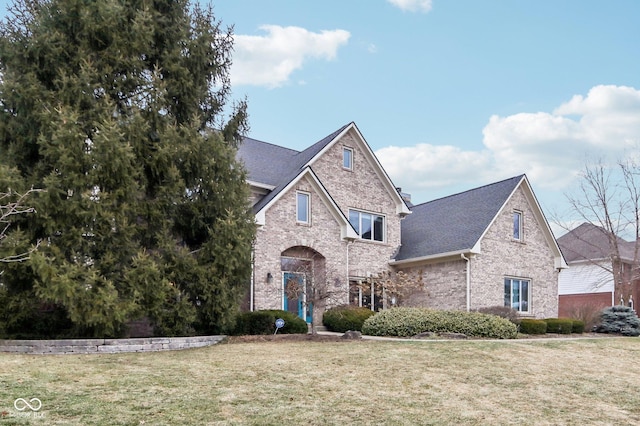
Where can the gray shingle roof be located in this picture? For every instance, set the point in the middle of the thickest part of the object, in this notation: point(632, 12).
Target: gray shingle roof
point(275, 165)
point(454, 223)
point(590, 242)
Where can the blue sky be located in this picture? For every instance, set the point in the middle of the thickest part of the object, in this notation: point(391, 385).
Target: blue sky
point(450, 95)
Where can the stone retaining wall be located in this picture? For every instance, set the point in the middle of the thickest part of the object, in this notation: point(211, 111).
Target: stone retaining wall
point(98, 346)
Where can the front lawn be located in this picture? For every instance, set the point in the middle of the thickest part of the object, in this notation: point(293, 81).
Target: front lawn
point(585, 381)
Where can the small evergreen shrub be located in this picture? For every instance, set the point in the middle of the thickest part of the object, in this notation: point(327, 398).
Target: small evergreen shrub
point(619, 319)
point(559, 325)
point(578, 327)
point(263, 322)
point(532, 326)
point(406, 322)
point(346, 317)
point(503, 312)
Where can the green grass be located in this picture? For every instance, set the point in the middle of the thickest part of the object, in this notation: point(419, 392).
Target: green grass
point(586, 381)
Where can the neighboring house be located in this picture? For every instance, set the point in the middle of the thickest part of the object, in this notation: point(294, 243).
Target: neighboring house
point(589, 282)
point(489, 246)
point(329, 217)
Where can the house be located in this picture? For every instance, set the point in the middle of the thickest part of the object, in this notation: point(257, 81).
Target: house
point(329, 217)
point(589, 282)
point(489, 246)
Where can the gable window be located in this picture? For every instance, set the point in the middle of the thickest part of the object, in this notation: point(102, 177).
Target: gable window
point(517, 225)
point(347, 158)
point(516, 294)
point(368, 225)
point(302, 207)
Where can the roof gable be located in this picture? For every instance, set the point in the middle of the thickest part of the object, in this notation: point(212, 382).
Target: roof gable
point(456, 224)
point(274, 167)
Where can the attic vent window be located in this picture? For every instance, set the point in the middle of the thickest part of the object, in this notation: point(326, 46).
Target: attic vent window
point(347, 158)
point(302, 207)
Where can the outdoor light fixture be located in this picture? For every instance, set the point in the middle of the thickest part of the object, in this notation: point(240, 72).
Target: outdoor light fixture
point(269, 277)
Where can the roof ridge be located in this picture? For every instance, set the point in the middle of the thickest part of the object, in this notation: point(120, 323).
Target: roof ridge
point(273, 144)
point(469, 190)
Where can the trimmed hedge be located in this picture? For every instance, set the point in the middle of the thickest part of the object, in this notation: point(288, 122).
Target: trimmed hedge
point(346, 317)
point(578, 327)
point(263, 322)
point(406, 322)
point(559, 325)
point(533, 326)
point(619, 319)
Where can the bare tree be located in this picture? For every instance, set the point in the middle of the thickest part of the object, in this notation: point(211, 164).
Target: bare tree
point(397, 288)
point(609, 198)
point(12, 204)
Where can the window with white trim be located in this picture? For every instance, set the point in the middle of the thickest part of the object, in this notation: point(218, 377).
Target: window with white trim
point(516, 294)
point(369, 226)
point(517, 225)
point(303, 207)
point(347, 158)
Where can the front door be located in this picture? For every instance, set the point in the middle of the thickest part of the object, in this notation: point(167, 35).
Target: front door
point(295, 295)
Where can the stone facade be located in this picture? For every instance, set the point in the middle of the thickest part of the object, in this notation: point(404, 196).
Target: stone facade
point(501, 257)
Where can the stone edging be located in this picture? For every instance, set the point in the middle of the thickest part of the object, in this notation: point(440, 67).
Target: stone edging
point(98, 346)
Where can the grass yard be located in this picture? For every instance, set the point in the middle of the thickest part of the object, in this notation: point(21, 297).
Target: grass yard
point(554, 382)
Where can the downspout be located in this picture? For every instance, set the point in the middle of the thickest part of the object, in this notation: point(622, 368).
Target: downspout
point(468, 281)
point(252, 283)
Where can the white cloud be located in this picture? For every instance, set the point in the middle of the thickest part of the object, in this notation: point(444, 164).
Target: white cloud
point(269, 60)
point(550, 147)
point(412, 5)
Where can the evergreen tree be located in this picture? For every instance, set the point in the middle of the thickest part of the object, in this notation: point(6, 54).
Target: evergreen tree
point(117, 110)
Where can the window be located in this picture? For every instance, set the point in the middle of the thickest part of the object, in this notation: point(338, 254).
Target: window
point(302, 207)
point(347, 158)
point(369, 226)
point(516, 294)
point(517, 225)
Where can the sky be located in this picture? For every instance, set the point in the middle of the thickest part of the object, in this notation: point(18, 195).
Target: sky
point(450, 95)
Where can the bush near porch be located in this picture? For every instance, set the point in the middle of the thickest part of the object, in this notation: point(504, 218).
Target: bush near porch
point(406, 322)
point(263, 322)
point(346, 317)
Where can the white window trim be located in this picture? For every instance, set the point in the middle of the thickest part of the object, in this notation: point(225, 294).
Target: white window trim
point(384, 225)
point(528, 280)
point(346, 148)
point(308, 195)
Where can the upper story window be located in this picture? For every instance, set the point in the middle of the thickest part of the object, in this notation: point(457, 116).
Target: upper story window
point(347, 158)
point(368, 225)
point(517, 225)
point(302, 207)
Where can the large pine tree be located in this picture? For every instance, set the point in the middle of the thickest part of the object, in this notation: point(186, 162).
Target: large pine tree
point(117, 110)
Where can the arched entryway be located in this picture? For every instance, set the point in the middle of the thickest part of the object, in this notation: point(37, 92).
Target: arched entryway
point(303, 269)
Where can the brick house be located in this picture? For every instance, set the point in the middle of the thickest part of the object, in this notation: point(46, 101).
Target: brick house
point(489, 246)
point(589, 282)
point(329, 217)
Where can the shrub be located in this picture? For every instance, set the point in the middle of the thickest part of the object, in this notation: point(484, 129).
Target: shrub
point(263, 322)
point(407, 322)
point(559, 325)
point(503, 312)
point(619, 319)
point(578, 327)
point(533, 326)
point(346, 317)
point(587, 312)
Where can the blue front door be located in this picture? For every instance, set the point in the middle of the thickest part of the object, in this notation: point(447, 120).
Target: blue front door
point(294, 298)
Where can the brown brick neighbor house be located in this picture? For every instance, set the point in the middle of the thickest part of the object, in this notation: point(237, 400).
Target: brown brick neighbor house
point(329, 217)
